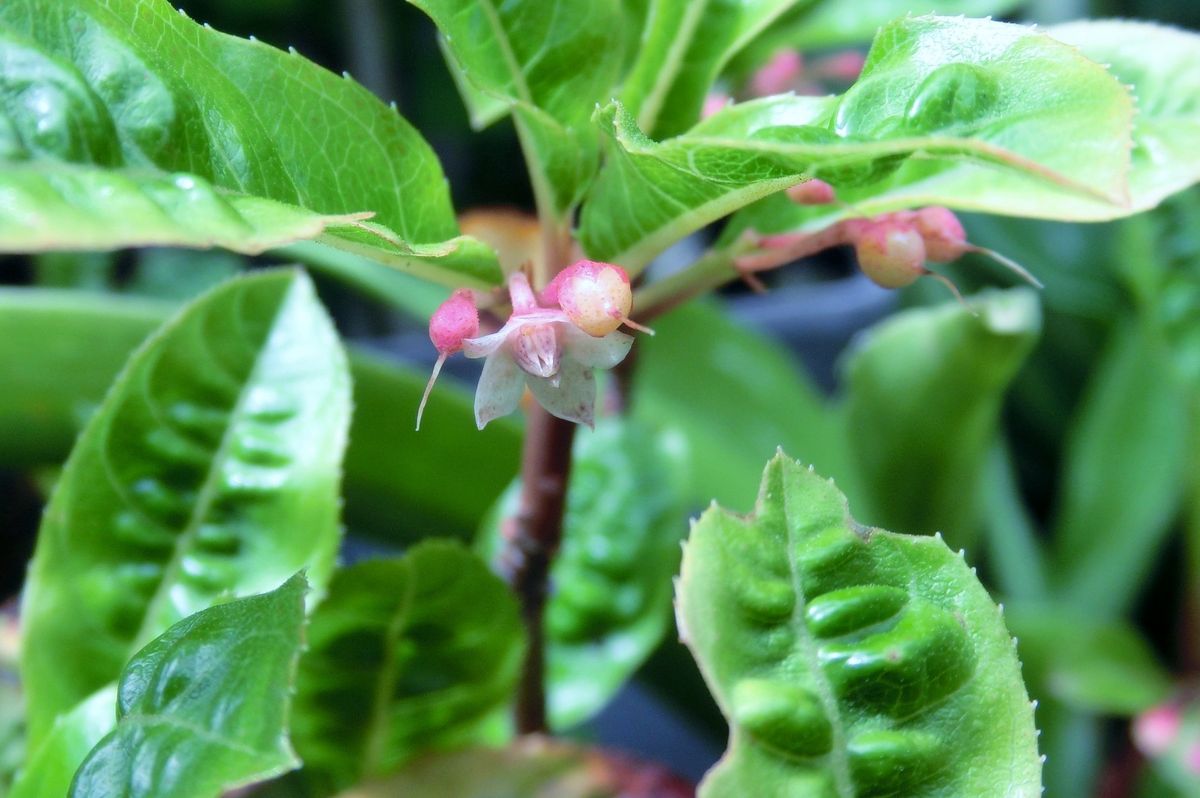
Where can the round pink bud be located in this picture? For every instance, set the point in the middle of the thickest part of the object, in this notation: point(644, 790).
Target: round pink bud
point(1155, 730)
point(811, 192)
point(778, 74)
point(714, 103)
point(890, 252)
point(945, 238)
point(595, 296)
point(455, 320)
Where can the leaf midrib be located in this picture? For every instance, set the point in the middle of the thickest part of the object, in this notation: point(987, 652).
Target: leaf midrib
point(209, 489)
point(838, 757)
point(652, 104)
point(385, 684)
point(510, 58)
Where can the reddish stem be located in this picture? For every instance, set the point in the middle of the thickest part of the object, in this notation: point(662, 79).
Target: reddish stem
point(531, 539)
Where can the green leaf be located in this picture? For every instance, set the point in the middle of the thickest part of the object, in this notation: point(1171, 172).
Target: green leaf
point(923, 396)
point(398, 483)
point(1087, 663)
point(529, 767)
point(182, 274)
point(129, 124)
point(985, 104)
point(1162, 66)
point(1124, 473)
point(210, 470)
point(405, 656)
point(611, 603)
point(849, 660)
point(546, 63)
point(685, 45)
point(203, 708)
point(51, 767)
point(1015, 556)
point(747, 400)
point(1158, 62)
point(403, 484)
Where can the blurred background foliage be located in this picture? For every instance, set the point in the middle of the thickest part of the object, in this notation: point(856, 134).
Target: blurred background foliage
point(1053, 435)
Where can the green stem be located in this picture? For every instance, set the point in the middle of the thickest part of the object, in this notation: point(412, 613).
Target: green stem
point(711, 271)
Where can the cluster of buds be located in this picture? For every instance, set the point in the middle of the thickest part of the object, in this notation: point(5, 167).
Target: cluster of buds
point(551, 342)
point(892, 248)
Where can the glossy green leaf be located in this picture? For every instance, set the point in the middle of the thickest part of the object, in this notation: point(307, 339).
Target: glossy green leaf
point(398, 483)
point(1124, 473)
point(204, 707)
point(405, 656)
point(546, 63)
point(983, 105)
point(685, 45)
point(129, 124)
point(611, 601)
point(1158, 62)
point(211, 469)
point(1086, 663)
point(49, 769)
point(734, 396)
point(849, 660)
point(923, 396)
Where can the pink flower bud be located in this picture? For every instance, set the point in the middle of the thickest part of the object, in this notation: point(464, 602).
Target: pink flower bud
point(945, 238)
point(811, 192)
point(1155, 730)
point(455, 320)
point(890, 251)
point(714, 103)
point(595, 296)
point(778, 74)
point(845, 66)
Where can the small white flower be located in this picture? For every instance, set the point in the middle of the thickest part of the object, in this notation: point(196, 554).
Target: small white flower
point(542, 348)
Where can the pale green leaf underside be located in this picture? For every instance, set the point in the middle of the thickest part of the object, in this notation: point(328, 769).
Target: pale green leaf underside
point(850, 661)
point(211, 469)
point(923, 392)
point(684, 47)
point(405, 656)
point(1161, 66)
point(937, 97)
point(203, 708)
point(178, 134)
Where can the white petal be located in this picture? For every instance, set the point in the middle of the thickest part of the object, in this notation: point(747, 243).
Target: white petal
point(485, 345)
point(599, 353)
point(573, 398)
point(500, 387)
